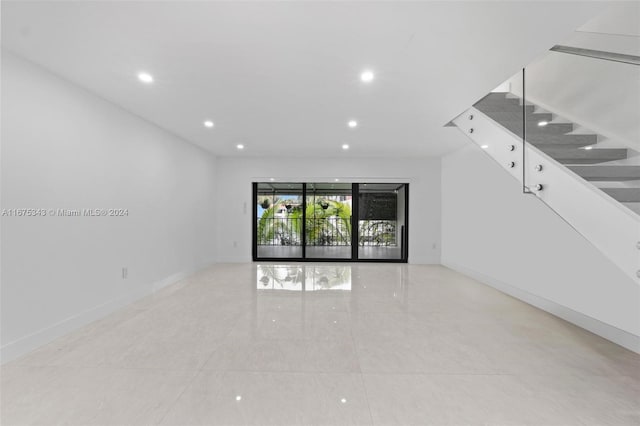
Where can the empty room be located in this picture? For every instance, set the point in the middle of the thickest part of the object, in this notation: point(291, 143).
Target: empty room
point(320, 213)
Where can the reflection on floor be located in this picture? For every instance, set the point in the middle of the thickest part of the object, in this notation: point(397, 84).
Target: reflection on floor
point(362, 344)
point(303, 278)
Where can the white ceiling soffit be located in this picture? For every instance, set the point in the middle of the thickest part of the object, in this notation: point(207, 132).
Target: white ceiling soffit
point(616, 30)
point(282, 78)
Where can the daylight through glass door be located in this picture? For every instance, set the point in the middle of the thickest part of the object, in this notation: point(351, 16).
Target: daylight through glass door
point(338, 221)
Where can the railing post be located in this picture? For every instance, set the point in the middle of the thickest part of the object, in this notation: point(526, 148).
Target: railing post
point(303, 228)
point(525, 190)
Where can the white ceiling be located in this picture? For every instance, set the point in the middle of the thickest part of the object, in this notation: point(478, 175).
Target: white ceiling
point(282, 78)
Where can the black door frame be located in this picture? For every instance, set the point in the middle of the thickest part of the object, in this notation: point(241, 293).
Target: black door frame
point(355, 197)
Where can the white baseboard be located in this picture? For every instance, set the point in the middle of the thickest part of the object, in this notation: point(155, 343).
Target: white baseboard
point(609, 332)
point(26, 344)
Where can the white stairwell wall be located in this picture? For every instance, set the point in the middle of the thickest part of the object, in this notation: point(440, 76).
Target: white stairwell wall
point(609, 225)
point(63, 147)
point(514, 242)
point(601, 95)
point(564, 84)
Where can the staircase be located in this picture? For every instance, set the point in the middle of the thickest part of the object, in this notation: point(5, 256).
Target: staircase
point(591, 182)
point(605, 167)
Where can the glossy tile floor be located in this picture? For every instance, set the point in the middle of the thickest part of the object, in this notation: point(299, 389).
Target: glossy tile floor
point(325, 344)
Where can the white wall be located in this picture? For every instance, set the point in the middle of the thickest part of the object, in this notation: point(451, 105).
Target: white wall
point(235, 208)
point(493, 232)
point(603, 96)
point(63, 147)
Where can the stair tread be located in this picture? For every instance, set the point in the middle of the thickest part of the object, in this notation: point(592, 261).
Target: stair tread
point(516, 116)
point(607, 172)
point(538, 139)
point(548, 130)
point(624, 195)
point(567, 149)
point(491, 103)
point(489, 107)
point(635, 207)
point(552, 134)
point(567, 154)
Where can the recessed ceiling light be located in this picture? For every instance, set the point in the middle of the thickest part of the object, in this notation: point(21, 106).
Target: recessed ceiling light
point(588, 148)
point(542, 123)
point(345, 146)
point(240, 146)
point(208, 123)
point(367, 76)
point(352, 123)
point(337, 180)
point(238, 397)
point(484, 146)
point(271, 179)
point(343, 400)
point(145, 77)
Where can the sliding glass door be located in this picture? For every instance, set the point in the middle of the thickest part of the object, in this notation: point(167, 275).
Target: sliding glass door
point(278, 229)
point(330, 221)
point(381, 220)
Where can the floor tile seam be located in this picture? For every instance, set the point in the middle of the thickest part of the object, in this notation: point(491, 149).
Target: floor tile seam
point(281, 373)
point(366, 397)
point(84, 334)
point(358, 358)
point(524, 376)
point(383, 373)
point(175, 401)
point(172, 370)
point(276, 371)
point(110, 368)
point(220, 344)
point(438, 373)
point(29, 365)
point(199, 371)
point(283, 339)
point(590, 375)
point(353, 341)
point(247, 339)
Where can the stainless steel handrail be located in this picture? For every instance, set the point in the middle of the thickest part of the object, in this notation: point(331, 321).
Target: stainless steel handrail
point(598, 54)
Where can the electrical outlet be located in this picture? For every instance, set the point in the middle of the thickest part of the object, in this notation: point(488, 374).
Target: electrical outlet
point(125, 272)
